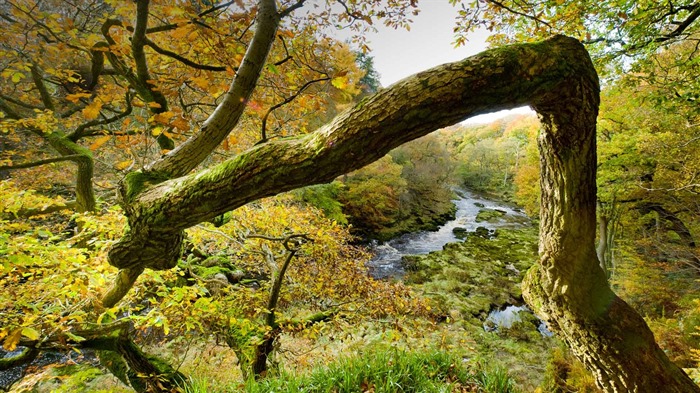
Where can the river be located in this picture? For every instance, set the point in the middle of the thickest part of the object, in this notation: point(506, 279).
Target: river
point(386, 262)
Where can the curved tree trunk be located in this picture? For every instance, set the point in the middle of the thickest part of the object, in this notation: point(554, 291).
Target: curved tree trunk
point(568, 288)
point(82, 157)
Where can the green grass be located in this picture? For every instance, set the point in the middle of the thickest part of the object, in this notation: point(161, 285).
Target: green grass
point(391, 371)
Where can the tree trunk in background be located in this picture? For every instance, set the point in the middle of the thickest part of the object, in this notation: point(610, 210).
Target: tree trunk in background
point(568, 288)
point(602, 248)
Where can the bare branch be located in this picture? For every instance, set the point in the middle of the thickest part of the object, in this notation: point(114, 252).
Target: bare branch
point(286, 50)
point(81, 131)
point(290, 242)
point(291, 8)
point(285, 102)
point(172, 26)
point(33, 164)
point(182, 59)
point(523, 14)
point(41, 86)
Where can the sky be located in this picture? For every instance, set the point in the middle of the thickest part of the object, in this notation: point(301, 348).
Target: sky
point(400, 53)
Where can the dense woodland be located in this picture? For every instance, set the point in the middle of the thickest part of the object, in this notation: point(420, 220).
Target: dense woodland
point(189, 191)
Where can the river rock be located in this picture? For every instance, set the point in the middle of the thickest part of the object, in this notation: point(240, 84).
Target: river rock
point(470, 277)
point(489, 215)
point(460, 232)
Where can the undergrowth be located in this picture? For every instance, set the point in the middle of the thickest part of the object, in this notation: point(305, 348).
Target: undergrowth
point(388, 371)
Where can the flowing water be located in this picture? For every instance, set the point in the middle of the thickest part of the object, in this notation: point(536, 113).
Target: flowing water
point(386, 262)
point(505, 319)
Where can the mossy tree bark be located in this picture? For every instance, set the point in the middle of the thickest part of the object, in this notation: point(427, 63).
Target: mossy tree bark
point(82, 157)
point(568, 288)
point(117, 352)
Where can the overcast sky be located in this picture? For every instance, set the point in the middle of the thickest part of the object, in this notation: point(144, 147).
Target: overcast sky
point(400, 53)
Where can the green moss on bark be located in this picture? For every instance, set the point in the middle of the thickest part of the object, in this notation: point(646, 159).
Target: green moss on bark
point(136, 182)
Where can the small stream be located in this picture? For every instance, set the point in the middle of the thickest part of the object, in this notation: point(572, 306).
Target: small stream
point(386, 262)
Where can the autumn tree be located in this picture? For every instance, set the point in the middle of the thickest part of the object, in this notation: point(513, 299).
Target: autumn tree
point(128, 91)
point(165, 196)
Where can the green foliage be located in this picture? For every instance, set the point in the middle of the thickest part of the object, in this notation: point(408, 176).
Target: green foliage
point(49, 284)
point(565, 373)
point(371, 196)
point(621, 30)
point(406, 191)
point(393, 371)
point(491, 156)
point(369, 83)
point(324, 197)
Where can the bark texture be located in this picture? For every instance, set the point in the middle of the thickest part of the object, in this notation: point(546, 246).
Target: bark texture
point(82, 157)
point(568, 288)
point(196, 149)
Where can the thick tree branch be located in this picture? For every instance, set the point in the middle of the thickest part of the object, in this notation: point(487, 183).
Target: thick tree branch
point(192, 152)
point(18, 102)
point(97, 65)
point(140, 82)
point(41, 86)
point(494, 80)
point(145, 373)
point(567, 286)
point(9, 112)
point(125, 280)
point(405, 111)
point(138, 41)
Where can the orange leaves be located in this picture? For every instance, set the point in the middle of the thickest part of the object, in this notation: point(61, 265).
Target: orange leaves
point(170, 119)
point(286, 33)
point(99, 142)
point(180, 33)
point(162, 118)
point(201, 81)
point(120, 166)
point(180, 123)
point(92, 111)
point(12, 340)
point(74, 98)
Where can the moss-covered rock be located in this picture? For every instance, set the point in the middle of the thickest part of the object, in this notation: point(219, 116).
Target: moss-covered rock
point(460, 232)
point(489, 215)
point(476, 275)
point(429, 217)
